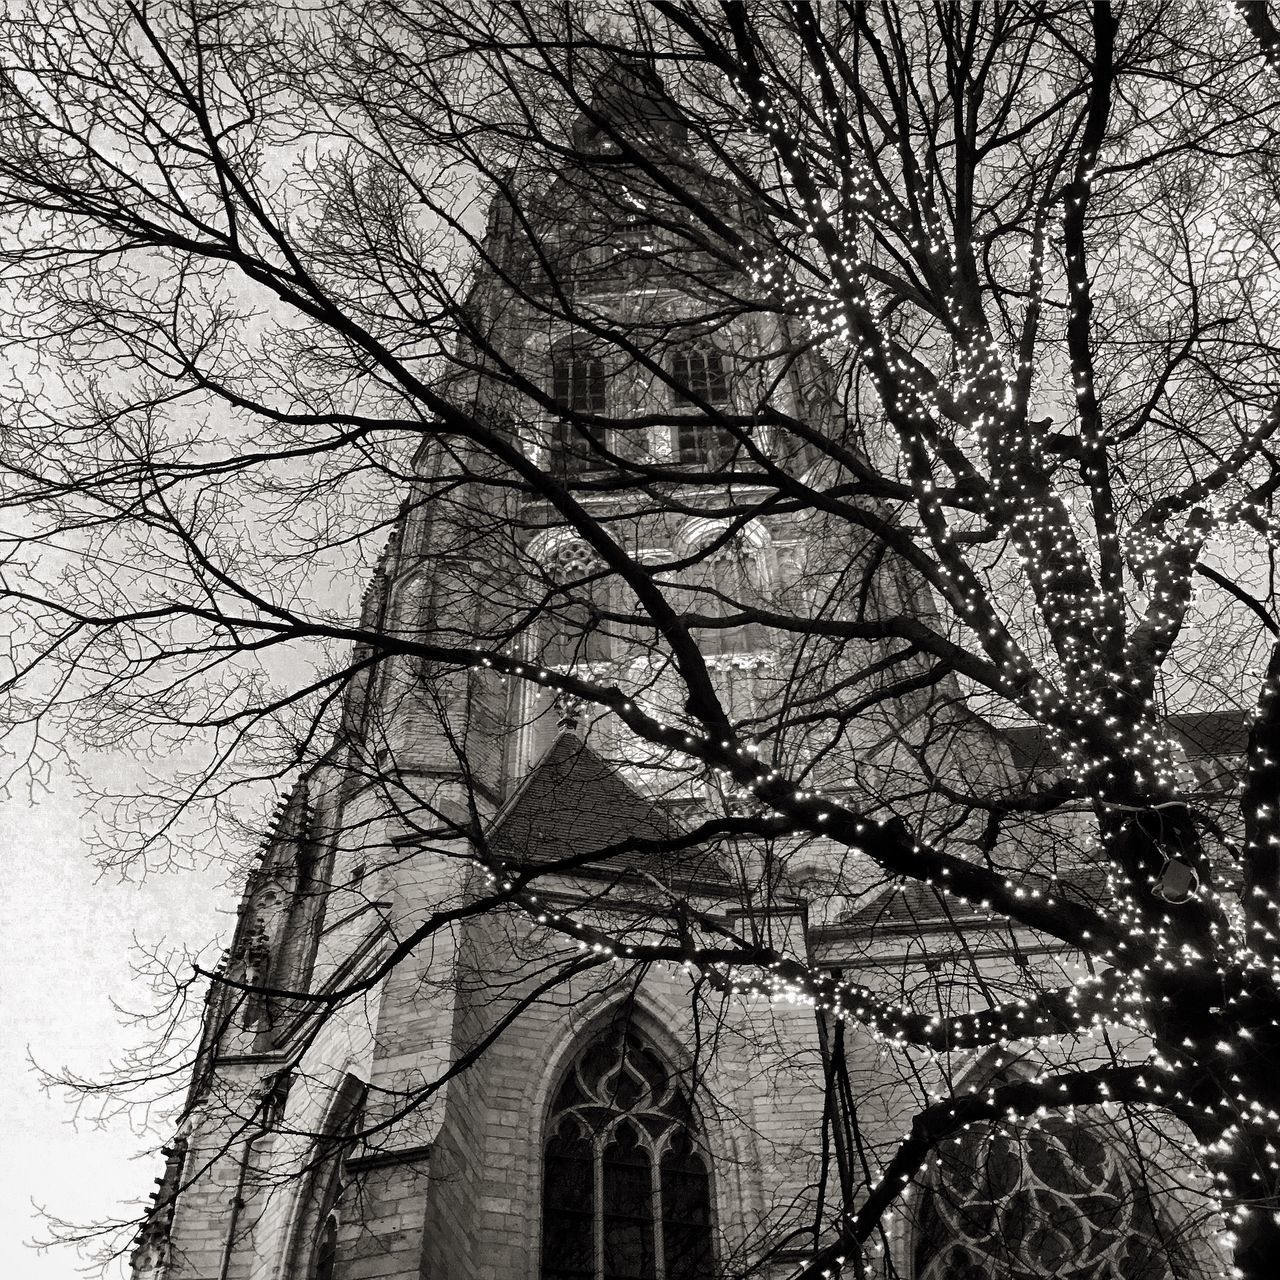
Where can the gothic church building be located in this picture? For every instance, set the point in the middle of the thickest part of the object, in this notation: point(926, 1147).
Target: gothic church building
point(502, 1102)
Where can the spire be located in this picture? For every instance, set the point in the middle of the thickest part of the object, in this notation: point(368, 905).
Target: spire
point(629, 101)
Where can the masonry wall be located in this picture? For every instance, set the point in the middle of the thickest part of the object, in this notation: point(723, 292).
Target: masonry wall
point(452, 1191)
point(758, 1092)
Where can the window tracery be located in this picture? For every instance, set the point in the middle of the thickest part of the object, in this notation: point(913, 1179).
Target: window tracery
point(730, 576)
point(578, 380)
point(574, 632)
point(571, 559)
point(626, 1187)
point(1058, 1199)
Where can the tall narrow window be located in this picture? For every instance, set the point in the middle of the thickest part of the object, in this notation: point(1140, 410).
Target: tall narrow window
point(626, 1189)
point(578, 381)
point(686, 1201)
point(699, 375)
point(628, 1234)
point(574, 630)
point(326, 1259)
point(578, 387)
point(328, 1209)
point(728, 580)
point(698, 378)
point(569, 1205)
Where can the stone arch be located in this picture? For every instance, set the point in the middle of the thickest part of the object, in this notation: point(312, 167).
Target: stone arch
point(701, 530)
point(652, 1016)
point(661, 1117)
point(569, 632)
point(735, 1190)
point(320, 1180)
point(732, 565)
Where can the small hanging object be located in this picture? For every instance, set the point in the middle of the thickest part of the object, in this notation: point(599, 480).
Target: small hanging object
point(571, 710)
point(1177, 882)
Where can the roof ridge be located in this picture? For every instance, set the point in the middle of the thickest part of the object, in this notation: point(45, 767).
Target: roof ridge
point(530, 774)
point(572, 801)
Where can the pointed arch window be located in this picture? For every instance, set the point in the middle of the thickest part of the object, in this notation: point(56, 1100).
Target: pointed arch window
point(329, 1209)
point(626, 1184)
point(578, 386)
point(325, 1263)
point(698, 377)
point(730, 576)
point(326, 1249)
point(1038, 1201)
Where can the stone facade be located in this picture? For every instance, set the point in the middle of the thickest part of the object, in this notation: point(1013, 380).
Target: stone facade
point(446, 1063)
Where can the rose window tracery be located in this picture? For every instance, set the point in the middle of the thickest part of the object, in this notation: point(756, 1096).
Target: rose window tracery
point(1056, 1201)
point(573, 630)
point(571, 560)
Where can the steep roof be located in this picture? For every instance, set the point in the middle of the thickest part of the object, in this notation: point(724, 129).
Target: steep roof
point(572, 802)
point(911, 904)
point(1212, 733)
point(1202, 733)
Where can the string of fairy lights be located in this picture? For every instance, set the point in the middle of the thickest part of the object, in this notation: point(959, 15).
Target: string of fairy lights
point(1098, 700)
point(1072, 614)
point(1092, 1004)
point(1162, 923)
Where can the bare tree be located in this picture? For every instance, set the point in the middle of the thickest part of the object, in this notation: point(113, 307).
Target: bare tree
point(857, 423)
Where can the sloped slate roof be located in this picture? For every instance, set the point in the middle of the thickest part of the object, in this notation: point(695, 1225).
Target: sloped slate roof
point(1212, 733)
point(908, 904)
point(572, 803)
point(913, 903)
point(1202, 733)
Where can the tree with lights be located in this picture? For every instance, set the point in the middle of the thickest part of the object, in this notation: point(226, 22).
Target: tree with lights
point(825, 465)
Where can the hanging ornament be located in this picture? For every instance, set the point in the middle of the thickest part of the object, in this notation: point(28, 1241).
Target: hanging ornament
point(571, 710)
point(1177, 881)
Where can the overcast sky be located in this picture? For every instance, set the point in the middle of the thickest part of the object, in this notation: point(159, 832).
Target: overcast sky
point(65, 940)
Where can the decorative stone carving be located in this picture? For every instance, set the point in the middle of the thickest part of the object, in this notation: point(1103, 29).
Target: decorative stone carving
point(571, 710)
point(150, 1257)
point(571, 560)
point(1036, 1202)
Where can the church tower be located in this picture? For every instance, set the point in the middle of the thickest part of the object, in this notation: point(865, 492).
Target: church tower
point(415, 1067)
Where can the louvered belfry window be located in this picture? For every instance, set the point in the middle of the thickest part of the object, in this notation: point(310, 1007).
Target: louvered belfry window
point(626, 1186)
point(578, 381)
point(578, 387)
point(698, 376)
